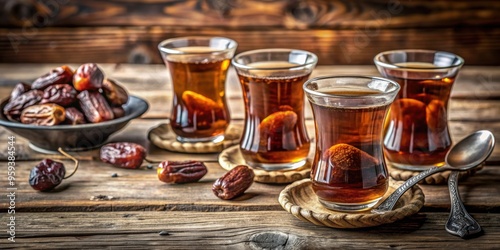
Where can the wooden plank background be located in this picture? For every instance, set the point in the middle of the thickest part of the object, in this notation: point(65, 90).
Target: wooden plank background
point(474, 95)
point(338, 31)
point(236, 230)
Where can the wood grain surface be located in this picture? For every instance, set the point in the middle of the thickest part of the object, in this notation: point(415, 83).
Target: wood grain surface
point(340, 32)
point(236, 230)
point(252, 13)
point(145, 192)
point(477, 46)
point(474, 95)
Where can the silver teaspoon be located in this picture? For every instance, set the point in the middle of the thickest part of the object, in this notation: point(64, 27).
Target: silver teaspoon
point(468, 153)
point(460, 222)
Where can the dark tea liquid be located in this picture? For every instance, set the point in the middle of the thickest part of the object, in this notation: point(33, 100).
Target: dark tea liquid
point(199, 105)
point(274, 130)
point(416, 129)
point(350, 167)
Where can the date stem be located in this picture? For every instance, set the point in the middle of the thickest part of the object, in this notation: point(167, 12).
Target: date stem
point(77, 163)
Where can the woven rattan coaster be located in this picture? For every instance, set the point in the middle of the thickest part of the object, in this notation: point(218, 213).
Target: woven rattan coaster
point(162, 136)
point(436, 179)
point(231, 157)
point(300, 200)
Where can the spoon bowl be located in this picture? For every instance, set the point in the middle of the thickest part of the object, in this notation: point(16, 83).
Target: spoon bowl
point(471, 151)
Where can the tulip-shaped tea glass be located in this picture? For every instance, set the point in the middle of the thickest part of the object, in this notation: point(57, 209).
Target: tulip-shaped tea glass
point(416, 133)
point(198, 69)
point(349, 172)
point(274, 136)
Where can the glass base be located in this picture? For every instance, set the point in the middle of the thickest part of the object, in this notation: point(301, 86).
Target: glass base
point(214, 139)
point(348, 207)
point(417, 168)
point(277, 166)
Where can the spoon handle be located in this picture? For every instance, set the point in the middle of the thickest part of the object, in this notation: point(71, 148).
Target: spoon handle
point(389, 203)
point(460, 222)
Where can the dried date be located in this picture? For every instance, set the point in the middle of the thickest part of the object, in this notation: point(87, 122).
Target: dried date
point(19, 89)
point(278, 122)
point(198, 102)
point(123, 154)
point(114, 93)
point(274, 129)
point(43, 114)
point(118, 112)
point(14, 107)
point(350, 164)
point(46, 175)
point(95, 107)
point(234, 183)
point(59, 75)
point(181, 171)
point(409, 112)
point(410, 115)
point(88, 77)
point(61, 94)
point(202, 109)
point(74, 116)
point(436, 116)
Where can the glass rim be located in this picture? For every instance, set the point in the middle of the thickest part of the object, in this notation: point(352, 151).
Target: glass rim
point(393, 66)
point(270, 50)
point(162, 48)
point(321, 94)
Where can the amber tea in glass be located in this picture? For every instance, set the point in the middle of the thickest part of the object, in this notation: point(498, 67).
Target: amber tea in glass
point(416, 133)
point(349, 172)
point(274, 136)
point(198, 69)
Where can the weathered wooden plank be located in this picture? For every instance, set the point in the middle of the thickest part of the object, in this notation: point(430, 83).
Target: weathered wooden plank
point(250, 13)
point(137, 132)
point(133, 190)
point(462, 110)
point(333, 46)
point(437, 196)
point(236, 230)
point(474, 96)
point(141, 190)
point(473, 82)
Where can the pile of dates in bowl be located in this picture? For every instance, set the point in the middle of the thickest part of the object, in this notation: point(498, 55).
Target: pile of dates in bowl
point(75, 110)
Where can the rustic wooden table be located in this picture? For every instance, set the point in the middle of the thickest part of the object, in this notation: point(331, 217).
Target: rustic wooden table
point(193, 217)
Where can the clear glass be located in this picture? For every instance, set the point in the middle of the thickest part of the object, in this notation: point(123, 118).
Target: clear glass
point(274, 136)
point(198, 69)
point(416, 134)
point(349, 172)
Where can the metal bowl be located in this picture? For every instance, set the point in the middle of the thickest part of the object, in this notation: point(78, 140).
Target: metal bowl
point(47, 139)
